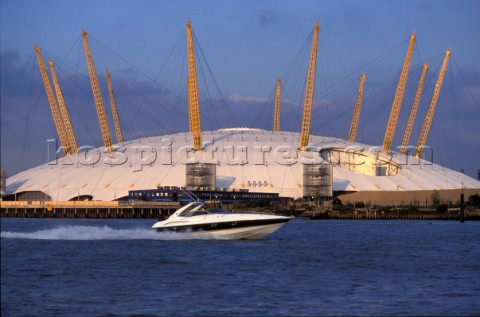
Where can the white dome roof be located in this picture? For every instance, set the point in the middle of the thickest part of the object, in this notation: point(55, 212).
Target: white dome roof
point(258, 160)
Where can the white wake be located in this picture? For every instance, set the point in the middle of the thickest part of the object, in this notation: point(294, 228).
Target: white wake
point(99, 233)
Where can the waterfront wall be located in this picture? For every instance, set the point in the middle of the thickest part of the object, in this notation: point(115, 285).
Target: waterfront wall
point(418, 198)
point(453, 214)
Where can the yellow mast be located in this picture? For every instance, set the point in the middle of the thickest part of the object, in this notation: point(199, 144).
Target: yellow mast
point(413, 112)
point(57, 119)
point(97, 96)
point(309, 91)
point(72, 141)
point(427, 122)
point(356, 113)
point(113, 104)
point(276, 116)
point(193, 102)
point(397, 102)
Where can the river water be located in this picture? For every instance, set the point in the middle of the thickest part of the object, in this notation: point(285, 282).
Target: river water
point(65, 267)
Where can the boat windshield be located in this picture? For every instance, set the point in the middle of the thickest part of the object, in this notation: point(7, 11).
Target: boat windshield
point(193, 213)
point(219, 211)
point(205, 212)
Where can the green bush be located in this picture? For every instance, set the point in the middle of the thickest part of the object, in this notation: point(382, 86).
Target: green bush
point(359, 204)
point(412, 209)
point(442, 208)
point(474, 200)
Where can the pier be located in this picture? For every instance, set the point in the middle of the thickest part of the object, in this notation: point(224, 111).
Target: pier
point(87, 209)
point(162, 210)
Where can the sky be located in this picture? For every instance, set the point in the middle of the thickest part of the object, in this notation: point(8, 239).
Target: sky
point(242, 47)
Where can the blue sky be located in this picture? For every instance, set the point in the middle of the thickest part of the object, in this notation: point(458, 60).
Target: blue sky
point(247, 46)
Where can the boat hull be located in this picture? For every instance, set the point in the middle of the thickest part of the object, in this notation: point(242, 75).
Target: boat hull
point(245, 233)
point(231, 230)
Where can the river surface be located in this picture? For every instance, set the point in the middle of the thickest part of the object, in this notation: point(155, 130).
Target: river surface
point(66, 267)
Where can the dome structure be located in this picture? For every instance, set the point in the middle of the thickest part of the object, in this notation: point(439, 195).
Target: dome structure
point(237, 159)
point(243, 159)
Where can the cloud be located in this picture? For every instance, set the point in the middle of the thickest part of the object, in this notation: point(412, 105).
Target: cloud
point(266, 17)
point(9, 59)
point(237, 98)
point(11, 74)
point(423, 5)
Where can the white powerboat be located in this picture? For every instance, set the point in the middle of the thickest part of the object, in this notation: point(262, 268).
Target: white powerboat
point(219, 223)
